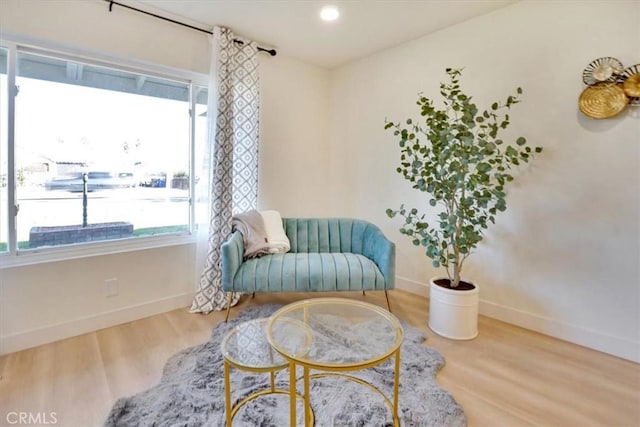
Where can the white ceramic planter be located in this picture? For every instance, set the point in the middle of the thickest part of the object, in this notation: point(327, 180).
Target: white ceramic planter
point(453, 313)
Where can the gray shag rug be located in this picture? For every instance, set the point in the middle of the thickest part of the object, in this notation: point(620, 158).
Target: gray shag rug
point(191, 391)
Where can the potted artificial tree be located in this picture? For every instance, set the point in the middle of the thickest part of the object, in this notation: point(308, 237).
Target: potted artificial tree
point(456, 157)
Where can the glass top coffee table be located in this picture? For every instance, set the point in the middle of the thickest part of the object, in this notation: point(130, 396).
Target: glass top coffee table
point(347, 335)
point(246, 348)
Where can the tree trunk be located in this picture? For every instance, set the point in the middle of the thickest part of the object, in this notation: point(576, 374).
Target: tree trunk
point(456, 276)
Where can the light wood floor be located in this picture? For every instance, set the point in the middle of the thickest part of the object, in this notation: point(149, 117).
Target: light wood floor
point(508, 376)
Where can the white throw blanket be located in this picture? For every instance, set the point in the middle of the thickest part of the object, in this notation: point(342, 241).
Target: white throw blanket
point(277, 238)
point(262, 233)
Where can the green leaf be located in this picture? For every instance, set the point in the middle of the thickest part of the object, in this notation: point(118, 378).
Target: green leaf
point(483, 167)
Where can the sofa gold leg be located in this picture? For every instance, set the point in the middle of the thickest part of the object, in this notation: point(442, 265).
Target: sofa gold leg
point(386, 295)
point(228, 306)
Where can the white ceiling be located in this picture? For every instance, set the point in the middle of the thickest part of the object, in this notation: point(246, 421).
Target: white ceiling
point(293, 27)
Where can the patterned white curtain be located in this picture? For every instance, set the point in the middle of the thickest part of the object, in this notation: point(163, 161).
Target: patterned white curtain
point(233, 132)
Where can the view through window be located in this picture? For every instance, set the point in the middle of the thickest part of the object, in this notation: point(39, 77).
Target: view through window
point(100, 153)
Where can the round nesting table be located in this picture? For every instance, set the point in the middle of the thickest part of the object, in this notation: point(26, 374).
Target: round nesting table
point(246, 348)
point(367, 334)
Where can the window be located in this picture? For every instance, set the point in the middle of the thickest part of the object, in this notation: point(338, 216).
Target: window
point(4, 214)
point(100, 152)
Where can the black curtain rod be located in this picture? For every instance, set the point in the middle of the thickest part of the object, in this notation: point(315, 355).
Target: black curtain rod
point(271, 52)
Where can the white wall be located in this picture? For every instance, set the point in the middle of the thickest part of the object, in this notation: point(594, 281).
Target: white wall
point(46, 302)
point(294, 144)
point(563, 259)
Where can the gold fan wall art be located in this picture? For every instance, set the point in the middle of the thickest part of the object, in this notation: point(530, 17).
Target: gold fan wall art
point(610, 88)
point(603, 100)
point(602, 70)
point(631, 84)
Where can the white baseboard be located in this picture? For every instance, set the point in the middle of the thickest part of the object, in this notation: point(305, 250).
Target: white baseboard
point(59, 331)
point(412, 286)
point(595, 340)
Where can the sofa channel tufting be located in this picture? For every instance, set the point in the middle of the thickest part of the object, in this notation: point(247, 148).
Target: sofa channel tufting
point(327, 254)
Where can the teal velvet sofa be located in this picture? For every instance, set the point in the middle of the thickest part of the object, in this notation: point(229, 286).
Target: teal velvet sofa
point(327, 254)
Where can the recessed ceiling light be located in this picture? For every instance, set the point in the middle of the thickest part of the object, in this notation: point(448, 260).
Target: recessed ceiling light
point(329, 13)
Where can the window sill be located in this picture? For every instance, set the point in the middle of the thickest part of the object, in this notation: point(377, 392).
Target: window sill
point(52, 254)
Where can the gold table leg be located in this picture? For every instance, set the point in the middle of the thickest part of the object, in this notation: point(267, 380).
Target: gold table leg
point(227, 393)
point(396, 385)
point(293, 393)
point(307, 403)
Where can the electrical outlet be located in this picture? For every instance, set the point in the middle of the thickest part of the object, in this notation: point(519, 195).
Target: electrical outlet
point(111, 287)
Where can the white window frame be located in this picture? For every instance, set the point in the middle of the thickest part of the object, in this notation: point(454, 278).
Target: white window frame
point(15, 43)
